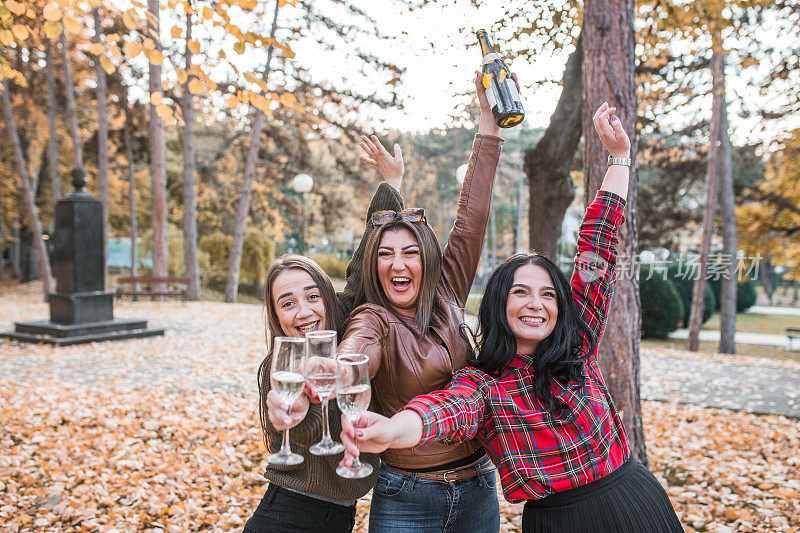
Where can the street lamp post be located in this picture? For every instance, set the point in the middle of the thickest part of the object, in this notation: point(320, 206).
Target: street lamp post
point(301, 184)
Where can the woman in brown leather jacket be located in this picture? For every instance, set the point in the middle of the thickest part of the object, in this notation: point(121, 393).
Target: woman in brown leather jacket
point(410, 330)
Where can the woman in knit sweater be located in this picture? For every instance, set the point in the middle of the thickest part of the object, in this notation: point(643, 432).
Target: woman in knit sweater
point(300, 298)
point(535, 397)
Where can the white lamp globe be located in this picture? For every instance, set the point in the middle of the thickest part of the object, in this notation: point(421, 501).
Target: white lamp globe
point(461, 173)
point(302, 183)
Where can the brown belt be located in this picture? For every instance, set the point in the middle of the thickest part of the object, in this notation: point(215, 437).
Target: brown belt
point(481, 466)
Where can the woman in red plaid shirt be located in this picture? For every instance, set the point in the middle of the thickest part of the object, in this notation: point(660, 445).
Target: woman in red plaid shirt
point(535, 397)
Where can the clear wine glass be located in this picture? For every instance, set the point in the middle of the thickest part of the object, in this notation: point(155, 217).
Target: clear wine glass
point(353, 393)
point(321, 377)
point(288, 377)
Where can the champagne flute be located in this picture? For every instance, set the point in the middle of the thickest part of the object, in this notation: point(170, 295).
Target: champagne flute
point(321, 377)
point(353, 393)
point(288, 378)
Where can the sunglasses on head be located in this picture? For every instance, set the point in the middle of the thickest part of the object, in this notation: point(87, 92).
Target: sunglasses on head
point(414, 214)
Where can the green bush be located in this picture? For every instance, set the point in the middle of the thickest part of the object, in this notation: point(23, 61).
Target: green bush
point(685, 288)
point(335, 267)
point(745, 294)
point(258, 253)
point(217, 246)
point(662, 307)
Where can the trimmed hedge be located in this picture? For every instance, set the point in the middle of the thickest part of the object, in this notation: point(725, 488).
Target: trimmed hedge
point(662, 307)
point(258, 254)
point(685, 287)
point(745, 294)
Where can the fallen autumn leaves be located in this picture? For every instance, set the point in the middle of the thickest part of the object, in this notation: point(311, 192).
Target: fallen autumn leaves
point(82, 458)
point(162, 434)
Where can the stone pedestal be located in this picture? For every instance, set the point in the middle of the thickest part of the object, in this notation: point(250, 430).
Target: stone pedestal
point(81, 310)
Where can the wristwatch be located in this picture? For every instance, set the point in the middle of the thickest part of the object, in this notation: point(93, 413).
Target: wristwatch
point(624, 161)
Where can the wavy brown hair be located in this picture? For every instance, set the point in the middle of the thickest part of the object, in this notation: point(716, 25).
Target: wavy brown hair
point(272, 327)
point(431, 256)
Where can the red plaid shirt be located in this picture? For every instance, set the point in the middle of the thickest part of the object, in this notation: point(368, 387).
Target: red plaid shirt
point(536, 452)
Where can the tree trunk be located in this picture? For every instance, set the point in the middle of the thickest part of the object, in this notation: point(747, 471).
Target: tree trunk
point(547, 165)
point(131, 190)
point(609, 75)
point(22, 169)
point(16, 250)
point(727, 308)
point(520, 221)
point(157, 153)
point(189, 207)
point(52, 142)
point(2, 241)
point(712, 193)
point(768, 280)
point(235, 260)
point(72, 114)
point(102, 141)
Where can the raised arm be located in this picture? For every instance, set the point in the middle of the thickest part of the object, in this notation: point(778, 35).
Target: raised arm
point(595, 261)
point(462, 253)
point(386, 198)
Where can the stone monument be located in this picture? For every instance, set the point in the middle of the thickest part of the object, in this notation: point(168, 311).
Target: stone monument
point(81, 310)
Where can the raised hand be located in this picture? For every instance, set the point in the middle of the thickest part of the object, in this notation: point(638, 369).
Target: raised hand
point(611, 132)
point(481, 91)
point(278, 415)
point(390, 166)
point(487, 125)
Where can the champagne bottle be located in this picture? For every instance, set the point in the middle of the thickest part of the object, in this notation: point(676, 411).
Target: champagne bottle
point(501, 91)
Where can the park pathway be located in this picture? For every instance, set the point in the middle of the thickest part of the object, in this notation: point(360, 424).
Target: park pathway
point(774, 310)
point(217, 347)
point(720, 381)
point(764, 339)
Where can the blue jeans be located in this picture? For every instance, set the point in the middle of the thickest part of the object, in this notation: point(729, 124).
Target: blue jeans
point(404, 503)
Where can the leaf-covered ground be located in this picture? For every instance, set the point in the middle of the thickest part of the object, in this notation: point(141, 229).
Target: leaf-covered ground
point(162, 434)
point(79, 458)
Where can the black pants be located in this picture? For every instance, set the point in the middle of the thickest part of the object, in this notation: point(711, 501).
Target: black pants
point(284, 511)
point(628, 500)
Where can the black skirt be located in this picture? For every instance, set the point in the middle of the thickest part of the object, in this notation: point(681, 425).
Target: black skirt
point(628, 500)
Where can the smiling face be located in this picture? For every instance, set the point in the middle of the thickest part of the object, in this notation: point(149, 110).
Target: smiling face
point(298, 303)
point(532, 307)
point(400, 270)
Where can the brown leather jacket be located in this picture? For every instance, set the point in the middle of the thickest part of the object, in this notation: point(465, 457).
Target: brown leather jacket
point(405, 363)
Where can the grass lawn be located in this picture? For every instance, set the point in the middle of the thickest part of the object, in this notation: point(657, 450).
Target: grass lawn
point(711, 347)
point(756, 323)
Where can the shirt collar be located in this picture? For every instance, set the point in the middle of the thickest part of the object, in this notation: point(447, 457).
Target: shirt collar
point(521, 360)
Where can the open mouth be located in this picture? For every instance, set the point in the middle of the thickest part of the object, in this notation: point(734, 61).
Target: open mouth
point(532, 320)
point(400, 283)
point(307, 327)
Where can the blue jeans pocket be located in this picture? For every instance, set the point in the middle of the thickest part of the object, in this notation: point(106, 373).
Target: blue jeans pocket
point(488, 479)
point(389, 484)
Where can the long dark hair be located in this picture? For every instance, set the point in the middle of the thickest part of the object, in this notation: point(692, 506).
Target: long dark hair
point(559, 356)
point(431, 256)
point(273, 325)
